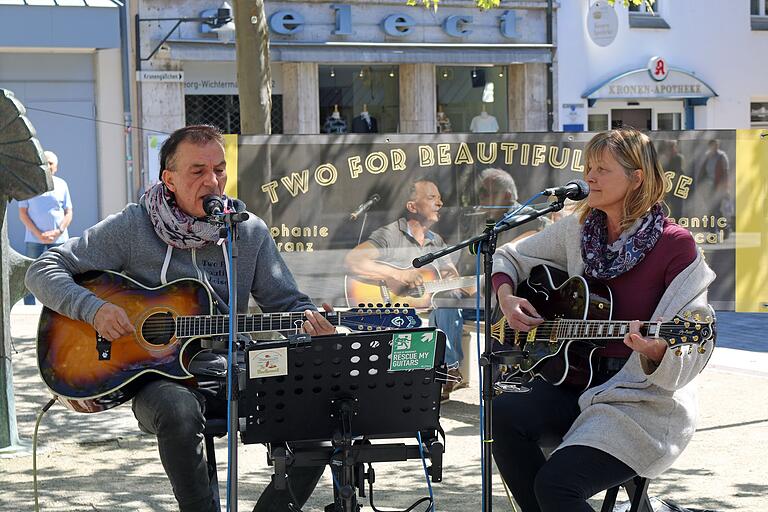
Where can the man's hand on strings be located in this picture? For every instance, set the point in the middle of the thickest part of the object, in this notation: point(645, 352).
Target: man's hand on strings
point(316, 324)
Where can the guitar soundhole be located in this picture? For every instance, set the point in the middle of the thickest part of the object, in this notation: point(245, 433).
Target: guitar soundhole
point(158, 329)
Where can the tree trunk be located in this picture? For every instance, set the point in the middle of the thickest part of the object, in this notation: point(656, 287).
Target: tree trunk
point(254, 80)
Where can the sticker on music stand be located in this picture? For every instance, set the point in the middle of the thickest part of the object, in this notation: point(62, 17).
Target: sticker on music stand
point(413, 351)
point(271, 362)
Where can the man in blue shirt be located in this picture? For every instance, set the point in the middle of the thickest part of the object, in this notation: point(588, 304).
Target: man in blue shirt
point(46, 217)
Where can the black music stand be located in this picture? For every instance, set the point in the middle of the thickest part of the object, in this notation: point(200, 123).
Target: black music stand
point(339, 389)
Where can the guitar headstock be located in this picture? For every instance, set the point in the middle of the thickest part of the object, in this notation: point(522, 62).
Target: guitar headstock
point(689, 328)
point(381, 317)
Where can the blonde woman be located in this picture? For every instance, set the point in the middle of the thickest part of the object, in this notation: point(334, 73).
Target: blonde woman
point(640, 412)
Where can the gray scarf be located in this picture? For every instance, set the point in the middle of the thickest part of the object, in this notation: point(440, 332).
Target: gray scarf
point(173, 226)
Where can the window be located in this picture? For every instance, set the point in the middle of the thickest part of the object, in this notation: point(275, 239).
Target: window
point(359, 99)
point(223, 111)
point(472, 99)
point(597, 122)
point(641, 16)
point(758, 113)
point(669, 121)
point(759, 11)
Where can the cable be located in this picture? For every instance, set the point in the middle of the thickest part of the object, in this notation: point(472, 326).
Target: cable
point(34, 449)
point(431, 507)
point(229, 364)
point(84, 118)
point(483, 462)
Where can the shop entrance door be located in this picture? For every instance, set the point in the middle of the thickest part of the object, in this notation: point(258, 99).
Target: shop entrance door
point(639, 118)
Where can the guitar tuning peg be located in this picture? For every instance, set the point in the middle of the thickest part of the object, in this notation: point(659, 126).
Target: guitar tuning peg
point(702, 350)
point(686, 314)
point(697, 317)
point(678, 352)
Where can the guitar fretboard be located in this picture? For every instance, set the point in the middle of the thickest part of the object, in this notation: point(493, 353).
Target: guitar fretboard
point(189, 326)
point(583, 329)
point(449, 284)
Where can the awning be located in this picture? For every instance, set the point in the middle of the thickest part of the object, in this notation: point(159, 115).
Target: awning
point(638, 85)
point(373, 53)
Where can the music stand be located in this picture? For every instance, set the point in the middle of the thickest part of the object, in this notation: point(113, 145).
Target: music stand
point(340, 389)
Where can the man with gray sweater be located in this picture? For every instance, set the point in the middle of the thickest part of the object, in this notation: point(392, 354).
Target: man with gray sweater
point(164, 238)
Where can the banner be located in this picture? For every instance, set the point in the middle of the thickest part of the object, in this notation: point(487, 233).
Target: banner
point(305, 188)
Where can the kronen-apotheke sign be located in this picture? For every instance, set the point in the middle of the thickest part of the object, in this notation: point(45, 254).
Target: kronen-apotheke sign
point(639, 84)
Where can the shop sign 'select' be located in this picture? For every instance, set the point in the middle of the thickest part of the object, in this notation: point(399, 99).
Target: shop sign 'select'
point(289, 22)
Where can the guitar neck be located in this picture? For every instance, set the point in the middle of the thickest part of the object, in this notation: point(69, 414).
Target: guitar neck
point(587, 329)
point(449, 284)
point(214, 325)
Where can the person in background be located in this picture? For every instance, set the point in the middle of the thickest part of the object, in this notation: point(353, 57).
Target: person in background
point(46, 217)
point(387, 256)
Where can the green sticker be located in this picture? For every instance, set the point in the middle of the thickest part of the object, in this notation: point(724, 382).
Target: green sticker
point(413, 351)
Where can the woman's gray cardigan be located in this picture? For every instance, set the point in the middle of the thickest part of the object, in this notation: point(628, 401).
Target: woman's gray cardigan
point(646, 414)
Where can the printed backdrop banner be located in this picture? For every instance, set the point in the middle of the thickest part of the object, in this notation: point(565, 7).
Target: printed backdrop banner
point(305, 188)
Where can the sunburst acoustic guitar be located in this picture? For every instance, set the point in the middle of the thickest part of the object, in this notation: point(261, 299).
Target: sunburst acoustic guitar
point(88, 373)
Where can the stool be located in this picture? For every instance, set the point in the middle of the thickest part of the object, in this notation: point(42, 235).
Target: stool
point(214, 427)
point(637, 490)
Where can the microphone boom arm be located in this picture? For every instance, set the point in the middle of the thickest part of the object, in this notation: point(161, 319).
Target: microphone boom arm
point(505, 225)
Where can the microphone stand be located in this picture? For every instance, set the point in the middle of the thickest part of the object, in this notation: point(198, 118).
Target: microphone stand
point(229, 221)
point(362, 227)
point(487, 245)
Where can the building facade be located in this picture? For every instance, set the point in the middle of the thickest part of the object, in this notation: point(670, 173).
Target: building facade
point(64, 64)
point(412, 70)
point(689, 64)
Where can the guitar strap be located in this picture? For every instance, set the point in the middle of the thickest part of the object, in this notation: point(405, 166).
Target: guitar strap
point(164, 270)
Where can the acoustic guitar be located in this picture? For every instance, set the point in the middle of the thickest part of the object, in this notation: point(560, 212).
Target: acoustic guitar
point(88, 373)
point(577, 312)
point(359, 289)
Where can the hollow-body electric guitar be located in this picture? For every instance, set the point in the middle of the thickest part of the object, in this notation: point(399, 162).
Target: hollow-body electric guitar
point(359, 289)
point(88, 373)
point(577, 312)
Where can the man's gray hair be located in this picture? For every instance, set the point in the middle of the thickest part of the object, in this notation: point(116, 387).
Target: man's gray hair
point(500, 179)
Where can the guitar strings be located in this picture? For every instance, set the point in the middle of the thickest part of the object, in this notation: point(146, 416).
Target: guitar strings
point(158, 326)
point(549, 326)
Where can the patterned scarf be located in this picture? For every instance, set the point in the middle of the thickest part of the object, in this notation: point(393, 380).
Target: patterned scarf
point(173, 226)
point(606, 261)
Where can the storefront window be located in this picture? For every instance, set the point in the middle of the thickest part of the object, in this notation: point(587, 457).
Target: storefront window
point(472, 99)
point(359, 99)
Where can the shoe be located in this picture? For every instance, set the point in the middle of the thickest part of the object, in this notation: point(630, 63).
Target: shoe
point(452, 385)
point(464, 383)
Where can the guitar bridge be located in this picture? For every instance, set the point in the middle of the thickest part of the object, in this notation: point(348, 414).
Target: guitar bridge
point(103, 347)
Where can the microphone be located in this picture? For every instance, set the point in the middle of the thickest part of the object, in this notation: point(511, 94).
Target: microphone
point(375, 198)
point(213, 205)
point(574, 189)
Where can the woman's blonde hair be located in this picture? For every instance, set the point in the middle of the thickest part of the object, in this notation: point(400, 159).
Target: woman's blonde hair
point(632, 150)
